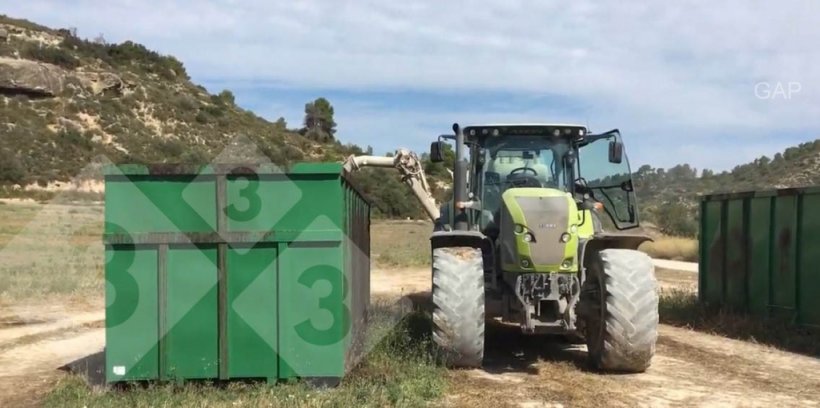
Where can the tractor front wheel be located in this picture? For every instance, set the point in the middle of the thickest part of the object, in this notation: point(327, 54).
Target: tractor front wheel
point(620, 294)
point(458, 305)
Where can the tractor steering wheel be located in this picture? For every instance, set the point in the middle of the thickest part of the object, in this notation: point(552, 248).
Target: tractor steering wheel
point(523, 170)
point(517, 178)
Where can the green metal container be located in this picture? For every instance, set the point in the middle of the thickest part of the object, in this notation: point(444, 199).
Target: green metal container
point(226, 272)
point(760, 253)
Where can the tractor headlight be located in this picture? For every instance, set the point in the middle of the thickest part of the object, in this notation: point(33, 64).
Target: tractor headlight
point(565, 237)
point(566, 264)
point(528, 237)
point(573, 229)
point(518, 229)
point(525, 263)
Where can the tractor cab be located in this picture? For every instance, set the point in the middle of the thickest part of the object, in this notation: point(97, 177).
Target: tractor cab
point(517, 156)
point(590, 168)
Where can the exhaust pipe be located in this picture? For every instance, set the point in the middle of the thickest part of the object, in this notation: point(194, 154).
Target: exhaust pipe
point(460, 182)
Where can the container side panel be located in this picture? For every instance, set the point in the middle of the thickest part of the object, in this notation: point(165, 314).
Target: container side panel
point(759, 257)
point(312, 317)
point(259, 203)
point(735, 273)
point(252, 312)
point(809, 279)
point(360, 288)
point(131, 314)
point(349, 254)
point(160, 205)
point(319, 205)
point(715, 252)
point(783, 256)
point(192, 339)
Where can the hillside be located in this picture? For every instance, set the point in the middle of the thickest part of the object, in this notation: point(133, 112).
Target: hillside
point(66, 101)
point(668, 197)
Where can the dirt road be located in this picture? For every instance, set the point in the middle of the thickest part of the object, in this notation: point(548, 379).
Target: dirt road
point(690, 368)
point(35, 341)
point(676, 265)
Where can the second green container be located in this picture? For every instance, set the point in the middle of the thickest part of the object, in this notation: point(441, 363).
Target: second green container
point(759, 253)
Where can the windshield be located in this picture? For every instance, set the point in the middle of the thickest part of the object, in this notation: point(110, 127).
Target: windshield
point(522, 161)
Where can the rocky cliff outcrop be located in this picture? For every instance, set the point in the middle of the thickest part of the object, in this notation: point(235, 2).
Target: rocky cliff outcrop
point(30, 78)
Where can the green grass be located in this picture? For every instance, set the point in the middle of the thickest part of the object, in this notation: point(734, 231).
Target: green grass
point(681, 308)
point(401, 370)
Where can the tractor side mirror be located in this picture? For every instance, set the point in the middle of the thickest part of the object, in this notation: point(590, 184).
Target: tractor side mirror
point(437, 152)
point(616, 152)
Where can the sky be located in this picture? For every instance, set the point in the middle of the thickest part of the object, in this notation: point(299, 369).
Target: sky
point(710, 83)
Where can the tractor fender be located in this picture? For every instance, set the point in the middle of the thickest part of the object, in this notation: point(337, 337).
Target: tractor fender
point(473, 239)
point(609, 240)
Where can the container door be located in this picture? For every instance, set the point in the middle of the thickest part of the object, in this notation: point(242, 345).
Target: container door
point(131, 314)
point(809, 259)
point(783, 274)
point(314, 318)
point(191, 344)
point(252, 312)
point(760, 244)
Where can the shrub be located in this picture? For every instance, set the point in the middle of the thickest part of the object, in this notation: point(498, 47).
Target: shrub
point(202, 118)
point(227, 97)
point(11, 170)
point(194, 156)
point(674, 218)
point(51, 55)
point(71, 138)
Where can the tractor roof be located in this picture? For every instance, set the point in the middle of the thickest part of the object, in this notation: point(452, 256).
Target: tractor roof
point(531, 124)
point(524, 129)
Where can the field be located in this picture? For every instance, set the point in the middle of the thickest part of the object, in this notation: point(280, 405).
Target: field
point(51, 286)
point(672, 248)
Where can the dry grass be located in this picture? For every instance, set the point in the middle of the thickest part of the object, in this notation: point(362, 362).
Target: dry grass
point(681, 308)
point(50, 251)
point(401, 370)
point(400, 243)
point(669, 278)
point(674, 248)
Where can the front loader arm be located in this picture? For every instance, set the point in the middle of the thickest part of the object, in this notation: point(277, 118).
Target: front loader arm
point(411, 171)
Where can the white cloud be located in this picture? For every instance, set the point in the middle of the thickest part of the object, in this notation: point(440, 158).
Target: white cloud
point(685, 67)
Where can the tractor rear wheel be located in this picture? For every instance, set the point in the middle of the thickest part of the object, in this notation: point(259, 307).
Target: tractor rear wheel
point(621, 295)
point(458, 305)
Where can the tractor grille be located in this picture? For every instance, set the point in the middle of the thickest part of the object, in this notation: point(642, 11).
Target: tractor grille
point(547, 218)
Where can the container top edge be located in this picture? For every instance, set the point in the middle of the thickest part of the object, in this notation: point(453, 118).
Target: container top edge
point(177, 169)
point(760, 193)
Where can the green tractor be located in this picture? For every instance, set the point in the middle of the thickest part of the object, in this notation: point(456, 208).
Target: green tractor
point(536, 236)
